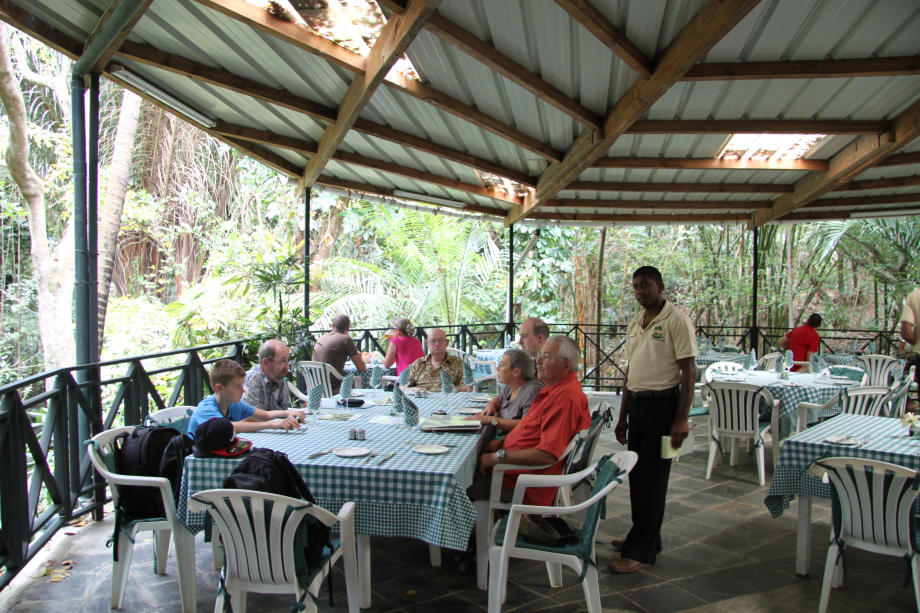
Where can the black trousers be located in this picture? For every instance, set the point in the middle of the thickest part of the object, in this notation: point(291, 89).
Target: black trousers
point(649, 420)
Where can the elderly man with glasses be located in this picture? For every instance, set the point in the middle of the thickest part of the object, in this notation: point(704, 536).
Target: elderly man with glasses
point(264, 384)
point(426, 372)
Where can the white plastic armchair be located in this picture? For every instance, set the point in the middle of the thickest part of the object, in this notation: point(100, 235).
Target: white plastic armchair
point(319, 373)
point(721, 368)
point(485, 510)
point(484, 379)
point(897, 401)
point(296, 393)
point(164, 417)
point(587, 447)
point(499, 555)
point(876, 513)
point(768, 362)
point(260, 548)
point(162, 530)
point(879, 367)
point(867, 400)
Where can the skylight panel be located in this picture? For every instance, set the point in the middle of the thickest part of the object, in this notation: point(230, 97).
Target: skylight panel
point(768, 147)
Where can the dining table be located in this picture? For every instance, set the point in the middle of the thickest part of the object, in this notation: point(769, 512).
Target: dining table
point(398, 492)
point(880, 438)
point(800, 387)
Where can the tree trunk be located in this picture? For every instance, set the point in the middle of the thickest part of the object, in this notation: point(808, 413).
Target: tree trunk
point(54, 267)
point(114, 204)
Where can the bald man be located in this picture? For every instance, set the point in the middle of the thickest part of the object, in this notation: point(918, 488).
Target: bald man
point(264, 385)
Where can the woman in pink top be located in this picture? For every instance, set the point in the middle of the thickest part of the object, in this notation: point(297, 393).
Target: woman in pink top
point(404, 347)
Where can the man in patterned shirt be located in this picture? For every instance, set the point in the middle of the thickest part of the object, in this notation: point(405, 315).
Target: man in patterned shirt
point(426, 372)
point(265, 382)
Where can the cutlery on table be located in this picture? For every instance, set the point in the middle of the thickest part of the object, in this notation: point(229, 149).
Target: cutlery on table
point(865, 441)
point(316, 455)
point(386, 457)
point(373, 455)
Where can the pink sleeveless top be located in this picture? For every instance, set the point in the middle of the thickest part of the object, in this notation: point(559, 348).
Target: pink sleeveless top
point(408, 350)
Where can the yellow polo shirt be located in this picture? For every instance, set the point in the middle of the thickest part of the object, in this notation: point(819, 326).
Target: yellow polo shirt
point(911, 312)
point(654, 351)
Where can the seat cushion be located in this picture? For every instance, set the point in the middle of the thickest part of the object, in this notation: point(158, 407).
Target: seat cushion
point(572, 548)
point(703, 410)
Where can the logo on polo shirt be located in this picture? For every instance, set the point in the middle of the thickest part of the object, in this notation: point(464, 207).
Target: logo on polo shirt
point(658, 333)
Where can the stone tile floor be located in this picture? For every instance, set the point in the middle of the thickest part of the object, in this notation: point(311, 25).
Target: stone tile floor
point(722, 552)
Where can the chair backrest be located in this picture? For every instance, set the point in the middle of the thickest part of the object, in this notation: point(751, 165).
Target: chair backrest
point(875, 499)
point(768, 362)
point(457, 353)
point(879, 367)
point(167, 416)
point(297, 393)
point(258, 532)
point(103, 444)
point(721, 367)
point(855, 373)
point(318, 373)
point(867, 400)
point(736, 407)
point(491, 365)
point(897, 401)
point(588, 443)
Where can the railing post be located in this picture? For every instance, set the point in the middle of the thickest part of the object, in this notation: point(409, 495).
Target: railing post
point(14, 494)
point(57, 410)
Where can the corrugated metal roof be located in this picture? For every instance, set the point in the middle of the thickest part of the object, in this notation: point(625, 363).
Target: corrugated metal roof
point(544, 39)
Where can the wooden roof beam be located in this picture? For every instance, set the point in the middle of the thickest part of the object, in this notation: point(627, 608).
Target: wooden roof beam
point(720, 205)
point(900, 159)
point(863, 200)
point(488, 55)
point(714, 218)
point(758, 126)
point(857, 157)
point(154, 58)
point(853, 186)
point(106, 56)
point(805, 69)
point(712, 22)
point(310, 149)
point(260, 19)
point(39, 30)
point(707, 164)
point(597, 24)
point(394, 38)
point(680, 188)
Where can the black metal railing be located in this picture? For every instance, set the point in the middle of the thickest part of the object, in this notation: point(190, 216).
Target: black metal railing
point(47, 478)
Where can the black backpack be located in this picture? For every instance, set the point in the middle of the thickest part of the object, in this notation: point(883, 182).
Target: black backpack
point(271, 472)
point(147, 452)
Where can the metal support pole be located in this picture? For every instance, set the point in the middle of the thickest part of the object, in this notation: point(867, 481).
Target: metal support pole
point(92, 217)
point(754, 329)
point(509, 328)
point(306, 251)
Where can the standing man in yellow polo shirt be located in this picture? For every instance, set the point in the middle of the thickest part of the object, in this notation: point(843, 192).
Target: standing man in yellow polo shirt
point(657, 395)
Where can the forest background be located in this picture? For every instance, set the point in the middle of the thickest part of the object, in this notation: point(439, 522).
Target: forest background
point(201, 244)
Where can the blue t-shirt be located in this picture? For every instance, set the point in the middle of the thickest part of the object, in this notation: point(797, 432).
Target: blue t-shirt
point(209, 409)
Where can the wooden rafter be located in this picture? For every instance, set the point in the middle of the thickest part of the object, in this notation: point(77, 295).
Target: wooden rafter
point(719, 205)
point(863, 200)
point(597, 24)
point(680, 188)
point(758, 126)
point(393, 41)
point(38, 29)
point(260, 19)
point(714, 218)
point(857, 157)
point(707, 164)
point(805, 69)
point(713, 21)
point(853, 186)
point(900, 159)
point(106, 56)
point(486, 54)
point(308, 148)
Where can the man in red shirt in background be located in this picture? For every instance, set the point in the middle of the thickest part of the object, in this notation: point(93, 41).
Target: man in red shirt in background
point(803, 341)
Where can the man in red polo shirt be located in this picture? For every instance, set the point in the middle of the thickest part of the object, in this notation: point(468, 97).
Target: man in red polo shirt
point(559, 411)
point(803, 341)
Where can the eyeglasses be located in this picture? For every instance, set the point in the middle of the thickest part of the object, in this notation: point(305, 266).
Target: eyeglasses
point(284, 362)
point(437, 341)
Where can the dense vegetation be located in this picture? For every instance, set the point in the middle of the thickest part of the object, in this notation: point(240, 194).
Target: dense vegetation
point(210, 249)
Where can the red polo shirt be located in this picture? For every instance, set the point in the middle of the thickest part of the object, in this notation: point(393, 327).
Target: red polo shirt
point(802, 340)
point(557, 413)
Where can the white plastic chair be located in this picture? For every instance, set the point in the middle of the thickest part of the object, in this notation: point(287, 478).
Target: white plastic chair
point(510, 546)
point(735, 414)
point(875, 515)
point(296, 393)
point(319, 373)
point(867, 400)
point(484, 380)
point(585, 452)
point(260, 548)
point(485, 511)
point(879, 367)
point(897, 401)
point(164, 417)
point(768, 362)
point(162, 530)
point(854, 373)
point(457, 353)
point(725, 368)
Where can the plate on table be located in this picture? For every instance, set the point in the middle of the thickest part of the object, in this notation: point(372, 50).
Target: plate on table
point(480, 398)
point(430, 449)
point(465, 411)
point(351, 452)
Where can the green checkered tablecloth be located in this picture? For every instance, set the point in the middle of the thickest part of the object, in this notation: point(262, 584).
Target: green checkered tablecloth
point(704, 360)
point(412, 495)
point(349, 369)
point(810, 388)
point(888, 442)
point(839, 359)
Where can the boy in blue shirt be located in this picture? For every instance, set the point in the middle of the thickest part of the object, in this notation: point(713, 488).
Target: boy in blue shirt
point(227, 380)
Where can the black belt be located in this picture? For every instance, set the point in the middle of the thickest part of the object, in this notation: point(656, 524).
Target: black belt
point(671, 391)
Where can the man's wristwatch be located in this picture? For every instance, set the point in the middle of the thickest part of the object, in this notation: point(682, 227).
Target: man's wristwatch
point(495, 421)
point(500, 454)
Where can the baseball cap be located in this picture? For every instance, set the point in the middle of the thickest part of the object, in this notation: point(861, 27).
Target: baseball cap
point(217, 438)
